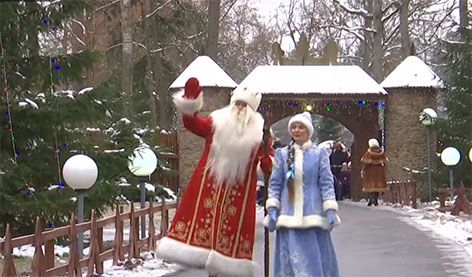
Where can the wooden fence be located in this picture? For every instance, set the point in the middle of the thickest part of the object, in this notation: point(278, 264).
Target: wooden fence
point(402, 192)
point(461, 204)
point(165, 178)
point(43, 263)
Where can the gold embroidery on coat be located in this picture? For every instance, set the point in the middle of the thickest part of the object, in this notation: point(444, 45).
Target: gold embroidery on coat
point(202, 237)
point(202, 184)
point(222, 216)
point(208, 203)
point(180, 230)
point(243, 207)
point(214, 211)
point(245, 249)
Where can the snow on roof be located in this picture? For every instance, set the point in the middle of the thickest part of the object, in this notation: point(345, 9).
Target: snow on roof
point(208, 73)
point(412, 72)
point(302, 79)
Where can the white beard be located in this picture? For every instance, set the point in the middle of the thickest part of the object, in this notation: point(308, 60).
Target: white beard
point(234, 139)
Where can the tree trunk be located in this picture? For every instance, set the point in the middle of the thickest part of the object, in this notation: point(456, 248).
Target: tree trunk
point(367, 55)
point(213, 28)
point(127, 54)
point(377, 69)
point(404, 32)
point(149, 34)
point(463, 13)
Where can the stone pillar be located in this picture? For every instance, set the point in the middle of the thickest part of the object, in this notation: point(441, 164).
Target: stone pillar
point(405, 136)
point(191, 145)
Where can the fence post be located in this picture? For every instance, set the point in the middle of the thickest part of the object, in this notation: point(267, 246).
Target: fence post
point(8, 265)
point(118, 254)
point(133, 251)
point(74, 266)
point(93, 248)
point(165, 218)
point(38, 258)
point(413, 201)
point(49, 253)
point(99, 264)
point(152, 231)
point(461, 203)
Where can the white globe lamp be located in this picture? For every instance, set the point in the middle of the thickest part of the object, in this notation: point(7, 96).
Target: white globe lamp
point(80, 173)
point(142, 163)
point(450, 157)
point(428, 117)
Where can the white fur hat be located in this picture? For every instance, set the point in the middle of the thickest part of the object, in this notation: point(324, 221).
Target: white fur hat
point(305, 119)
point(373, 143)
point(253, 99)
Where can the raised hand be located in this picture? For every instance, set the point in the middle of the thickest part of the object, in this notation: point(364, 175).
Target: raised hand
point(192, 88)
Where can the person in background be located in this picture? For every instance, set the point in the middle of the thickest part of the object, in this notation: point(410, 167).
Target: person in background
point(302, 205)
point(336, 159)
point(373, 172)
point(345, 179)
point(214, 225)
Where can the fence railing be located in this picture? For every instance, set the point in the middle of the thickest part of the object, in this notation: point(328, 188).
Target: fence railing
point(461, 204)
point(402, 192)
point(43, 262)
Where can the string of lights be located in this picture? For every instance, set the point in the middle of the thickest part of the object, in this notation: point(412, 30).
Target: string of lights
point(6, 91)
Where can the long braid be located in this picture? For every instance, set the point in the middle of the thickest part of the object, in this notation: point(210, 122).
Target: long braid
point(291, 166)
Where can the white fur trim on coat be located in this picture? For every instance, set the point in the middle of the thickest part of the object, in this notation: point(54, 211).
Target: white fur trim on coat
point(186, 105)
point(330, 205)
point(182, 253)
point(272, 202)
point(310, 221)
point(225, 266)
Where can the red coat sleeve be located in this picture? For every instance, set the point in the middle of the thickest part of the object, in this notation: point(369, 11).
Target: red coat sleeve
point(200, 126)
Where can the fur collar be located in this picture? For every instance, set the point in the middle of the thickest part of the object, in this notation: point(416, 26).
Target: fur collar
point(304, 146)
point(374, 155)
point(230, 153)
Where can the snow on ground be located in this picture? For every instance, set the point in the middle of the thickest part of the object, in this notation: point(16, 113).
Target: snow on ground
point(456, 228)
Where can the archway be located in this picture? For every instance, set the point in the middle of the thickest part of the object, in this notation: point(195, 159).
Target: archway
point(344, 93)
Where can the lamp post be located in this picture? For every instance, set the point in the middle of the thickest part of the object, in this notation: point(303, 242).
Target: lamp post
point(142, 163)
point(80, 173)
point(428, 118)
point(450, 157)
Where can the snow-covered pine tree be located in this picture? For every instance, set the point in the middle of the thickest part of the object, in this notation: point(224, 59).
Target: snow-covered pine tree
point(327, 129)
point(44, 121)
point(456, 97)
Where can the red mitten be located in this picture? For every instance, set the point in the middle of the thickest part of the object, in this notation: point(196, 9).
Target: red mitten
point(192, 88)
point(266, 164)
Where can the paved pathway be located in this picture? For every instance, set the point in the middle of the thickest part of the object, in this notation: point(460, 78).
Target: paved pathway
point(381, 243)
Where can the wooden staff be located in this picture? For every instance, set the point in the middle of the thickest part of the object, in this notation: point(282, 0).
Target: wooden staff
point(265, 194)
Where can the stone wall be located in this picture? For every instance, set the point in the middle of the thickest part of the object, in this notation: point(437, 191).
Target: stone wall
point(191, 145)
point(405, 136)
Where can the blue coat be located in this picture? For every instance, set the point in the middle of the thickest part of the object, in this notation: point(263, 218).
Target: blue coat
point(314, 190)
point(303, 245)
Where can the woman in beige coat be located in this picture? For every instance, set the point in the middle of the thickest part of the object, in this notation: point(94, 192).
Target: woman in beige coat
point(373, 171)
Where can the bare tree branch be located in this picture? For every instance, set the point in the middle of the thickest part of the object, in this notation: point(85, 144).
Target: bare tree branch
point(106, 6)
point(158, 8)
point(360, 12)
